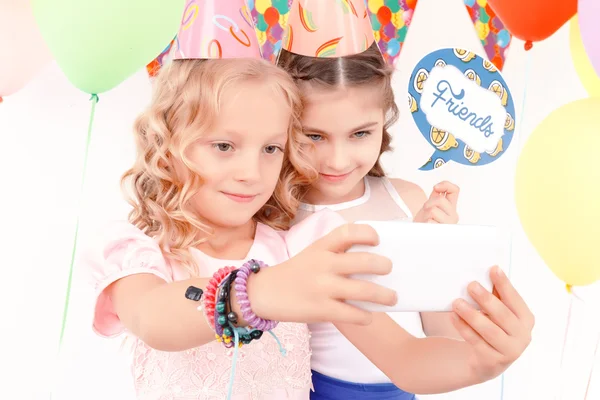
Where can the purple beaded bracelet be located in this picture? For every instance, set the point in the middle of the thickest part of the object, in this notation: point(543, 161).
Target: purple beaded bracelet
point(251, 266)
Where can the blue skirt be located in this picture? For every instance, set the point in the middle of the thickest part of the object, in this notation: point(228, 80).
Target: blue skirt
point(327, 388)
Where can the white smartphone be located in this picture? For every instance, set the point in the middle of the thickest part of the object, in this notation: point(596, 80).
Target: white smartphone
point(434, 263)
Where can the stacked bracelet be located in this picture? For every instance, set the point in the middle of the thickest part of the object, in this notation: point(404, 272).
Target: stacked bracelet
point(225, 319)
point(209, 296)
point(216, 304)
point(241, 280)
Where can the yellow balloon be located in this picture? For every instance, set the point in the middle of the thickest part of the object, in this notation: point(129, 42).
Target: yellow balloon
point(586, 72)
point(483, 30)
point(262, 5)
point(558, 191)
point(375, 5)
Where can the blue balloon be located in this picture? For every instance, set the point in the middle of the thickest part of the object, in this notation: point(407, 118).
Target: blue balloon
point(503, 38)
point(469, 3)
point(250, 4)
point(393, 47)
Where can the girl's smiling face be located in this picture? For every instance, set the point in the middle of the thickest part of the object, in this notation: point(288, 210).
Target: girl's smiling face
point(346, 126)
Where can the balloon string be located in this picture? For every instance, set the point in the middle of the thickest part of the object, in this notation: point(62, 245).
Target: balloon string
point(517, 136)
point(594, 361)
point(569, 313)
point(94, 99)
point(519, 130)
point(564, 347)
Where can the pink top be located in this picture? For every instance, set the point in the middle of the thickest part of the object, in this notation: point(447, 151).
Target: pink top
point(200, 373)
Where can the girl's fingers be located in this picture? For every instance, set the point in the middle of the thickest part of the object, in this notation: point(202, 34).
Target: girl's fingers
point(491, 333)
point(450, 189)
point(511, 298)
point(359, 290)
point(495, 309)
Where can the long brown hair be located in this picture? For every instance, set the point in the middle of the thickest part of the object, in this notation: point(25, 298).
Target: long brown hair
point(364, 69)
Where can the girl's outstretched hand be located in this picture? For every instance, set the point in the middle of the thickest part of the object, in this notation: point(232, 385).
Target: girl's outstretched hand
point(500, 332)
point(313, 285)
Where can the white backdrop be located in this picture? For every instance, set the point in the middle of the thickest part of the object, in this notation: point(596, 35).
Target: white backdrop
point(43, 130)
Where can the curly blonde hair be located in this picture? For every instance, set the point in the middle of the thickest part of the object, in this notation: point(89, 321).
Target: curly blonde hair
point(363, 69)
point(185, 103)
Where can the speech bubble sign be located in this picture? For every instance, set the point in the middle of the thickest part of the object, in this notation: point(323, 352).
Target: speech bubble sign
point(462, 106)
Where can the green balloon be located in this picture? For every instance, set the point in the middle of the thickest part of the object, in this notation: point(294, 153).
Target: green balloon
point(261, 24)
point(393, 5)
point(100, 43)
point(282, 6)
point(483, 16)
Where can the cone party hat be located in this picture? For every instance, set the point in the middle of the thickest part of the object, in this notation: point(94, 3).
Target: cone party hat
point(213, 29)
point(328, 28)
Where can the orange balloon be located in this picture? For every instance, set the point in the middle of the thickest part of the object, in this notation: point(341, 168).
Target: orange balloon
point(533, 20)
point(412, 4)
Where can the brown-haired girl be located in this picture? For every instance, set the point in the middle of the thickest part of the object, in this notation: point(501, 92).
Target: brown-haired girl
point(348, 109)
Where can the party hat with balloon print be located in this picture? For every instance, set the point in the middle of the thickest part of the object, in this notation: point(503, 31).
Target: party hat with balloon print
point(270, 20)
point(328, 28)
point(213, 29)
point(494, 37)
point(154, 66)
point(391, 20)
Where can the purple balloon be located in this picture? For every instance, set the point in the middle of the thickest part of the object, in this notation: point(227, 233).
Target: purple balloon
point(390, 30)
point(277, 31)
point(588, 12)
point(267, 50)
